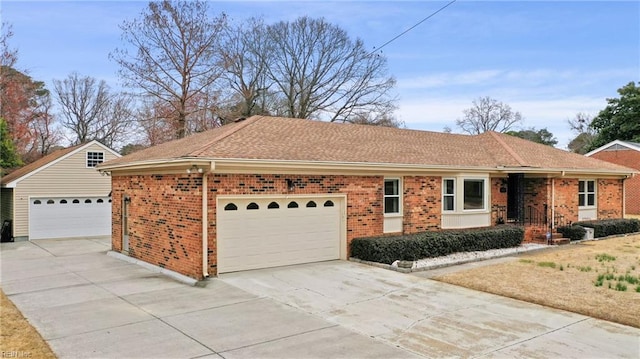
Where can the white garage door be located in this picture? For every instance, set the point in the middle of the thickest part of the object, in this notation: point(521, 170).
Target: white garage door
point(262, 233)
point(59, 217)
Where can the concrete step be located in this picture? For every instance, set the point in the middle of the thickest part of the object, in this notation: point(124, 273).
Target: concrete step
point(560, 241)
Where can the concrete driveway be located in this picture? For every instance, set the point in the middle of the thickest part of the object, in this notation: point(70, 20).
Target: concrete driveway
point(89, 305)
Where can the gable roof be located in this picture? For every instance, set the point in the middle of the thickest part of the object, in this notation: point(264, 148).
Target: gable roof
point(262, 138)
point(616, 144)
point(36, 166)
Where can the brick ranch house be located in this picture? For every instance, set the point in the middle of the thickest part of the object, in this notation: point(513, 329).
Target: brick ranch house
point(267, 191)
point(624, 153)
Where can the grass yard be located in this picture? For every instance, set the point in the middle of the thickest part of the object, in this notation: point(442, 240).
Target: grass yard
point(600, 279)
point(18, 338)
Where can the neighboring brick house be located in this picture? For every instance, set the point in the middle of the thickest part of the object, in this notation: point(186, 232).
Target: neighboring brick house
point(267, 191)
point(627, 154)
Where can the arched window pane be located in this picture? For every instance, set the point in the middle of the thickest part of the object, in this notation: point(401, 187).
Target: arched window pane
point(292, 205)
point(230, 207)
point(273, 205)
point(253, 205)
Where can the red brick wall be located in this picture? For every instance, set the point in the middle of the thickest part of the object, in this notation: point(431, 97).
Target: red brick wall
point(166, 210)
point(628, 158)
point(566, 198)
point(498, 199)
point(609, 194)
point(364, 199)
point(422, 204)
point(165, 220)
point(536, 195)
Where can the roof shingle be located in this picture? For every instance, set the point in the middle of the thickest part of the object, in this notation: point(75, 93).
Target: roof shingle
point(288, 139)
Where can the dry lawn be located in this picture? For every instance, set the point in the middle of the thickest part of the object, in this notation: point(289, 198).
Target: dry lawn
point(566, 277)
point(18, 338)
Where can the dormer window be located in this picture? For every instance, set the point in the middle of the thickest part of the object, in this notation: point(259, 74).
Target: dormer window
point(94, 158)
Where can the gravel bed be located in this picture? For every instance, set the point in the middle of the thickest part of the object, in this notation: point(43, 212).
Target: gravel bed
point(466, 257)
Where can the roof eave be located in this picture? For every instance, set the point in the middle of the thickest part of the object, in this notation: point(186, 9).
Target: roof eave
point(292, 166)
point(612, 143)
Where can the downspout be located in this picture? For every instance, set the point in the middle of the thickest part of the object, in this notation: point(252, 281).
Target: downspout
point(624, 196)
point(553, 203)
point(205, 227)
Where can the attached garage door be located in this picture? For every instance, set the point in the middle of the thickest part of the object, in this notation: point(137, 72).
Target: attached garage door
point(262, 233)
point(59, 217)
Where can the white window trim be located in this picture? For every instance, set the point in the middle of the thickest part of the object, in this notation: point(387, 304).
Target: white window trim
point(454, 195)
point(484, 195)
point(458, 204)
point(86, 162)
point(400, 195)
point(586, 193)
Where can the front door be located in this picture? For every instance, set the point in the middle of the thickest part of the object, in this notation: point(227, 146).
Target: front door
point(126, 201)
point(515, 197)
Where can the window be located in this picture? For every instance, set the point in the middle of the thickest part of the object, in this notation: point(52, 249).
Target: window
point(473, 194)
point(392, 196)
point(311, 204)
point(75, 201)
point(253, 205)
point(587, 193)
point(51, 201)
point(37, 201)
point(328, 204)
point(292, 205)
point(448, 194)
point(87, 201)
point(63, 201)
point(99, 200)
point(273, 205)
point(94, 158)
point(230, 207)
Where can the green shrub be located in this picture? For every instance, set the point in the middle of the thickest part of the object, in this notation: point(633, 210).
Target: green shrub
point(608, 227)
point(416, 246)
point(573, 232)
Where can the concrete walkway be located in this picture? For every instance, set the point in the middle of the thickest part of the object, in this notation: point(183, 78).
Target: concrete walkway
point(89, 305)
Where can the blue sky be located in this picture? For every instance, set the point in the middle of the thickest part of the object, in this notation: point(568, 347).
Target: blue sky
point(546, 59)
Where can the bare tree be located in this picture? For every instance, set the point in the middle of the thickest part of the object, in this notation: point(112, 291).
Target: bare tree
point(8, 55)
point(174, 57)
point(44, 130)
point(487, 114)
point(154, 118)
point(585, 134)
point(91, 111)
point(321, 73)
point(244, 55)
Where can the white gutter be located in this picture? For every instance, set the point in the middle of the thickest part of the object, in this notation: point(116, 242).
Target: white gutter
point(231, 164)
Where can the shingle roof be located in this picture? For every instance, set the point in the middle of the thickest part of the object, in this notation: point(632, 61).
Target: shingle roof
point(287, 139)
point(24, 170)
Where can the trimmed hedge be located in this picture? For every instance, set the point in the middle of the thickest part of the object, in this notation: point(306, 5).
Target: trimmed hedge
point(608, 227)
point(573, 232)
point(416, 246)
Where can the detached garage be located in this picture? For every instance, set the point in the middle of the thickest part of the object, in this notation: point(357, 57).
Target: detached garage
point(61, 195)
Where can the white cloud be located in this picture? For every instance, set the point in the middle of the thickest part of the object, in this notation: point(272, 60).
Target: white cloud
point(433, 114)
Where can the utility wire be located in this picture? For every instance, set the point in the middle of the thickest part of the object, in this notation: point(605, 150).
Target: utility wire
point(414, 26)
